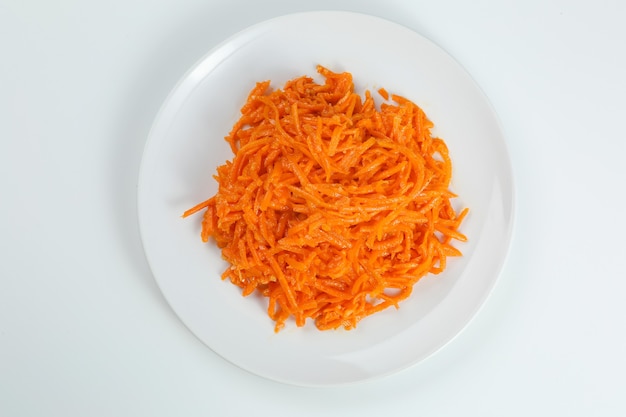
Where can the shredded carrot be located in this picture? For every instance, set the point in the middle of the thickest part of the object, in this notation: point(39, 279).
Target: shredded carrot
point(331, 207)
point(383, 93)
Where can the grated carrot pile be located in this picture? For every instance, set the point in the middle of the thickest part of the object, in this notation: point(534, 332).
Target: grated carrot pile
point(331, 208)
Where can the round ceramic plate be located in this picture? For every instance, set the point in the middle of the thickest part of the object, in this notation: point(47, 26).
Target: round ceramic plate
point(186, 144)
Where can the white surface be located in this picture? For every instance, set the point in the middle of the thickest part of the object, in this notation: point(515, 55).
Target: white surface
point(83, 327)
point(186, 145)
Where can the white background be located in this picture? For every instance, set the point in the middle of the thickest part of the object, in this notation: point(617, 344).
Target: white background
point(84, 330)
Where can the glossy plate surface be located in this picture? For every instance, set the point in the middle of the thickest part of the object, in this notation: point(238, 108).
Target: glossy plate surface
point(186, 145)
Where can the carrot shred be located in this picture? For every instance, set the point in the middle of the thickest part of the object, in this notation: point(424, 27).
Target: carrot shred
point(331, 208)
point(383, 93)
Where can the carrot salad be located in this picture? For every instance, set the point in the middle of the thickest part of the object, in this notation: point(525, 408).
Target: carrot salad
point(331, 207)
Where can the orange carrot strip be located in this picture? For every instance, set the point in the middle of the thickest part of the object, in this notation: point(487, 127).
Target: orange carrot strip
point(198, 207)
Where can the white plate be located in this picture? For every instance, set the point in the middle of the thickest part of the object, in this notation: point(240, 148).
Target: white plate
point(186, 145)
